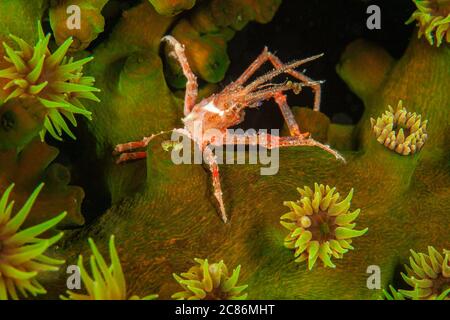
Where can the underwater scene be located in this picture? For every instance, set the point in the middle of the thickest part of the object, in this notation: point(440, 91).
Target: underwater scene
point(224, 150)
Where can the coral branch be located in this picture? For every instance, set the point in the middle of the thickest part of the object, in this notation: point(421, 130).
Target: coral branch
point(172, 7)
point(91, 22)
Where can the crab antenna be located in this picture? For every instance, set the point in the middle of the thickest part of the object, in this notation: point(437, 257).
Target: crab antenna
point(267, 93)
point(268, 76)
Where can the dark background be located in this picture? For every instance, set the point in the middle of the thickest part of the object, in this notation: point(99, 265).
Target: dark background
point(304, 28)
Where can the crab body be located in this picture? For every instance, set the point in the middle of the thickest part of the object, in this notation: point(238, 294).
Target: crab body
point(210, 114)
point(207, 122)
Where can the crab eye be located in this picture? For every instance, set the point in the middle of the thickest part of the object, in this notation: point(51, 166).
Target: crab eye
point(8, 121)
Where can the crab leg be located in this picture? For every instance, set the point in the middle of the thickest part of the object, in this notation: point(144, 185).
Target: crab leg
point(286, 111)
point(256, 64)
point(260, 81)
point(125, 157)
point(191, 85)
point(268, 56)
point(129, 146)
point(281, 142)
point(120, 148)
point(269, 141)
point(315, 86)
point(211, 160)
point(288, 116)
point(129, 156)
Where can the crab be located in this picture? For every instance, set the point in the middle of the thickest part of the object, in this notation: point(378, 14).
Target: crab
point(225, 109)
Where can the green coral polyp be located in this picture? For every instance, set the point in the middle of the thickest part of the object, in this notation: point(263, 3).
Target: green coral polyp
point(21, 252)
point(400, 131)
point(428, 275)
point(393, 294)
point(320, 226)
point(55, 80)
point(433, 20)
point(107, 282)
point(210, 282)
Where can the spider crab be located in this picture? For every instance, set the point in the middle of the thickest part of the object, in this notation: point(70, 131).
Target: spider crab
point(225, 109)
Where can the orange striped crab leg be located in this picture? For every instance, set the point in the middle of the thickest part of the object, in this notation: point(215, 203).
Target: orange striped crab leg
point(190, 96)
point(265, 56)
point(122, 149)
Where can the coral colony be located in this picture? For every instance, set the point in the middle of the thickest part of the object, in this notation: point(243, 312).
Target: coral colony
point(395, 168)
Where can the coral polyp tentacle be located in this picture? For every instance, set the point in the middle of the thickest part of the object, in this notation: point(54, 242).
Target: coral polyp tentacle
point(433, 20)
point(107, 282)
point(400, 131)
point(207, 281)
point(427, 274)
point(320, 226)
point(21, 251)
point(393, 294)
point(56, 81)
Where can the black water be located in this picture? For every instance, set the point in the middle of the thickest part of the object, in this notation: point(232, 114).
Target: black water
point(304, 28)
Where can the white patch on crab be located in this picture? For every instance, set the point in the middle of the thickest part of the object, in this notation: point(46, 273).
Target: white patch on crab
point(211, 107)
point(188, 118)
